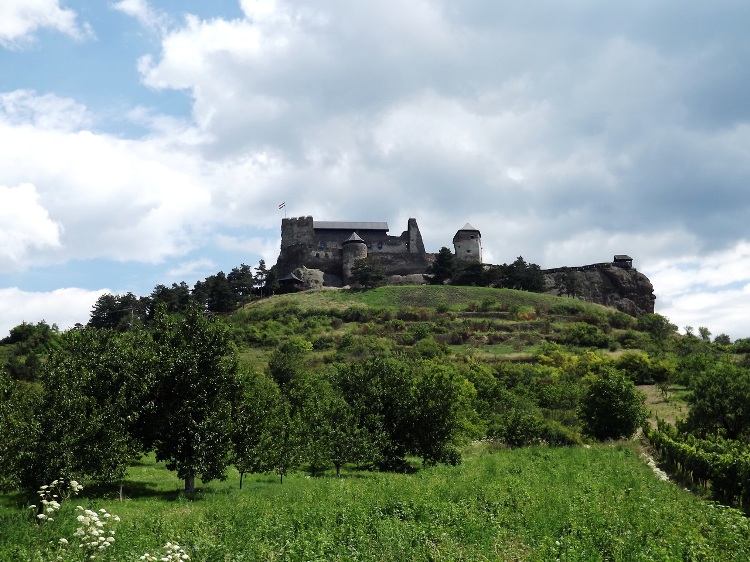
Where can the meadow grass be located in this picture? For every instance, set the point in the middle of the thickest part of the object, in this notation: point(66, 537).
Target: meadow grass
point(598, 503)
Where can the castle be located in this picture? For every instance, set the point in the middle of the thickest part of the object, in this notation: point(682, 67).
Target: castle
point(322, 253)
point(333, 246)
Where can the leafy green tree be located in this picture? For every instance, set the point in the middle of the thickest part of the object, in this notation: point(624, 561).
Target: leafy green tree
point(442, 268)
point(658, 326)
point(567, 283)
point(286, 445)
point(254, 425)
point(288, 360)
point(368, 273)
point(442, 415)
point(19, 430)
point(242, 280)
point(120, 312)
point(704, 333)
point(195, 393)
point(379, 393)
point(720, 402)
point(611, 406)
point(93, 391)
point(175, 298)
point(215, 294)
point(723, 339)
point(261, 276)
point(469, 275)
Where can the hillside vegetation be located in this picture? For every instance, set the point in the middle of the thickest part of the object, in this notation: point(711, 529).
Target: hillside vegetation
point(396, 386)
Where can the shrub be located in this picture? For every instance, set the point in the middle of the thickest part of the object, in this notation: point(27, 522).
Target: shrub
point(611, 407)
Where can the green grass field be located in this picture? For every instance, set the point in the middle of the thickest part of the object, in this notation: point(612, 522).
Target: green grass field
point(598, 503)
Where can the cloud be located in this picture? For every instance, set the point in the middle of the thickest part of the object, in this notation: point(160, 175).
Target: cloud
point(19, 19)
point(144, 13)
point(64, 307)
point(24, 226)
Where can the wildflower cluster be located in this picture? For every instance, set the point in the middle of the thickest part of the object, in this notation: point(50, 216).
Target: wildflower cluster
point(172, 552)
point(94, 535)
point(50, 496)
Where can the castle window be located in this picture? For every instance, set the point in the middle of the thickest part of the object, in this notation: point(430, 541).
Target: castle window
point(322, 245)
point(317, 254)
point(380, 245)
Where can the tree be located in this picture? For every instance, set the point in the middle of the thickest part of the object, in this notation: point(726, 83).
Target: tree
point(442, 268)
point(120, 312)
point(723, 339)
point(261, 275)
point(255, 419)
point(175, 298)
point(215, 293)
point(88, 417)
point(469, 275)
point(720, 403)
point(567, 282)
point(368, 274)
point(19, 402)
point(442, 413)
point(242, 281)
point(196, 390)
point(611, 407)
point(704, 333)
point(658, 326)
point(379, 393)
point(287, 361)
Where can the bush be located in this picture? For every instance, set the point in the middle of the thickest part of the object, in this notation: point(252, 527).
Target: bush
point(612, 407)
point(585, 335)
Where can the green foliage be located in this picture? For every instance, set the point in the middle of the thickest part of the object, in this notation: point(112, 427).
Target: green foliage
point(254, 424)
point(720, 402)
point(442, 269)
point(658, 326)
point(287, 361)
point(196, 389)
point(583, 334)
point(641, 369)
point(611, 408)
point(368, 273)
point(87, 420)
point(716, 464)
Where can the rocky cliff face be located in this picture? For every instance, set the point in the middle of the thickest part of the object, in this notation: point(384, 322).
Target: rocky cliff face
point(627, 290)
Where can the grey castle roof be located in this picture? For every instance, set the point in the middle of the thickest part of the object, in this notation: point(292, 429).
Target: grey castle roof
point(353, 238)
point(344, 225)
point(622, 257)
point(467, 226)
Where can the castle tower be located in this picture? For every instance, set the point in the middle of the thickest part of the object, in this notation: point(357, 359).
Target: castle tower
point(353, 248)
point(468, 244)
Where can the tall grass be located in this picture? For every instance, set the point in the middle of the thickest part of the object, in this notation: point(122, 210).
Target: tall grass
point(600, 503)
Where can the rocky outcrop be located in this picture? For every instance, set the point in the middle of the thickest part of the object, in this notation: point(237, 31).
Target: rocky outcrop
point(625, 289)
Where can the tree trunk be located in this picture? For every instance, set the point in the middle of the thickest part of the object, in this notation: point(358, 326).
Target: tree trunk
point(241, 475)
point(190, 484)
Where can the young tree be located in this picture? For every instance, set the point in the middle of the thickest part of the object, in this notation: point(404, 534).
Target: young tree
point(442, 412)
point(196, 390)
point(254, 425)
point(94, 388)
point(720, 402)
point(442, 268)
point(261, 276)
point(368, 274)
point(611, 406)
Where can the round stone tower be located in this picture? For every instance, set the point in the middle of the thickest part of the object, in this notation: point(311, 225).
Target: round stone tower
point(468, 244)
point(353, 248)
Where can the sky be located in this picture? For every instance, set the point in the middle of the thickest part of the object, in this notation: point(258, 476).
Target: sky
point(147, 142)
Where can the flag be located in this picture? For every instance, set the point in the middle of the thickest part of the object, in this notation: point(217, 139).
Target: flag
point(282, 204)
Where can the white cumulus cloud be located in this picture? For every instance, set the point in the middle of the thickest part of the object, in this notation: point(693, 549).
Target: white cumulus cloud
point(19, 19)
